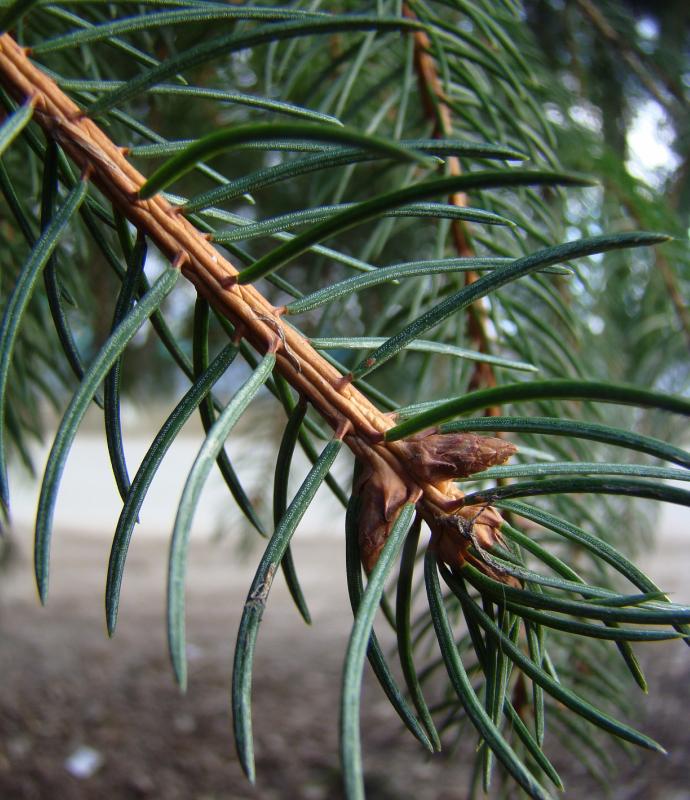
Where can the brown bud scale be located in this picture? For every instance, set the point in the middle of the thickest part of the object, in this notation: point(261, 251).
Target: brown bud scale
point(382, 494)
point(435, 457)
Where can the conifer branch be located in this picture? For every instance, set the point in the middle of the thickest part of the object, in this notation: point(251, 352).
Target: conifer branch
point(393, 476)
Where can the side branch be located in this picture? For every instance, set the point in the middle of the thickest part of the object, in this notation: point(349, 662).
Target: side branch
point(437, 109)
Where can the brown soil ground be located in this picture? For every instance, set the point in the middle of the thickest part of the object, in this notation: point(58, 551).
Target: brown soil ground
point(64, 685)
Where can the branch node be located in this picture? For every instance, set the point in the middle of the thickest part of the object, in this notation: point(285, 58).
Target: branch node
point(374, 436)
point(240, 330)
point(344, 427)
point(343, 382)
point(173, 211)
point(180, 259)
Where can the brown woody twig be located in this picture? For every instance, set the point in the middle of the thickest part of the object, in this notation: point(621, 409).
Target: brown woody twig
point(394, 478)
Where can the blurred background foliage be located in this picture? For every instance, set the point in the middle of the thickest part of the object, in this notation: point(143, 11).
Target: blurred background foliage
point(615, 84)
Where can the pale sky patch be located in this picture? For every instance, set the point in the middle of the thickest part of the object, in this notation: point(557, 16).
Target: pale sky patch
point(651, 158)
